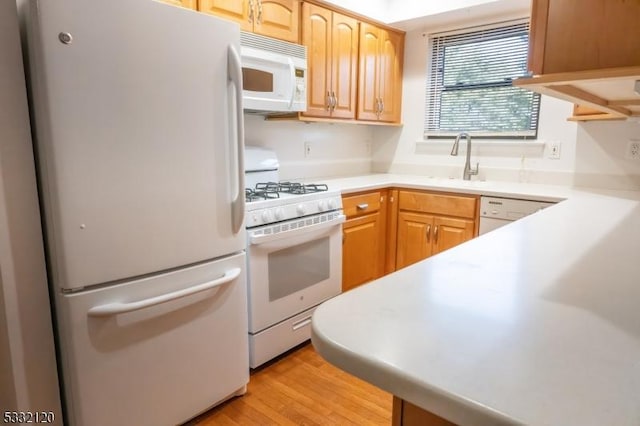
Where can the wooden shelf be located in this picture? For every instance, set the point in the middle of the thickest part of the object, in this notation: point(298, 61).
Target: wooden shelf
point(608, 90)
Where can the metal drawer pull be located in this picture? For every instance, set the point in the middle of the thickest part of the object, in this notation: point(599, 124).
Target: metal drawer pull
point(435, 234)
point(302, 323)
point(362, 206)
point(428, 232)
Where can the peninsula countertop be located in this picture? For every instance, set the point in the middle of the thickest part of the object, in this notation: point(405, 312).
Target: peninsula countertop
point(535, 323)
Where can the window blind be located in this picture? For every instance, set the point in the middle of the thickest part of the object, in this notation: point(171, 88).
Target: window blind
point(469, 84)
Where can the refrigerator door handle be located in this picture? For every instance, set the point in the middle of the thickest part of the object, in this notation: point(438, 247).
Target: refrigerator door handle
point(234, 67)
point(111, 309)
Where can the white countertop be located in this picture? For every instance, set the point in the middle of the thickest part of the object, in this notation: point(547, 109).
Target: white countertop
point(537, 322)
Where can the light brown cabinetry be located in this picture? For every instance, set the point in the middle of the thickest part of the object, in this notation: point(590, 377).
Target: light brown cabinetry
point(407, 414)
point(332, 45)
point(189, 4)
point(580, 35)
point(380, 74)
point(586, 52)
point(364, 235)
point(430, 223)
point(273, 18)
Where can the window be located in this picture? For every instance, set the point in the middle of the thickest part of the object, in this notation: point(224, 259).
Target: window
point(469, 84)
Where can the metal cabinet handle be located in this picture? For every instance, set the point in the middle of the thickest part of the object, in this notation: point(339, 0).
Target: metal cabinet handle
point(428, 233)
point(435, 234)
point(329, 101)
point(381, 105)
point(362, 206)
point(251, 11)
point(335, 100)
point(259, 12)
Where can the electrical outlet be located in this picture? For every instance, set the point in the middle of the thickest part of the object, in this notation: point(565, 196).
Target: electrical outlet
point(307, 149)
point(554, 150)
point(633, 149)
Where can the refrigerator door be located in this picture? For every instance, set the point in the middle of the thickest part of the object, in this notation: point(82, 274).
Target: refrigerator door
point(138, 136)
point(155, 351)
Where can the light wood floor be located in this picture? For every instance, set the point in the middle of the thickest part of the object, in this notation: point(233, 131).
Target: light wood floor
point(303, 389)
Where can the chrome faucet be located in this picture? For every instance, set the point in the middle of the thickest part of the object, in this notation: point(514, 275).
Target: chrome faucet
point(468, 171)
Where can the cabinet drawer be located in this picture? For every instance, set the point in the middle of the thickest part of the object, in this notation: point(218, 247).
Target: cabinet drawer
point(356, 205)
point(450, 205)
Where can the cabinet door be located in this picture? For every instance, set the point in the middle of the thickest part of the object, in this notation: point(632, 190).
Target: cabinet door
point(578, 35)
point(361, 260)
point(449, 232)
point(368, 72)
point(239, 11)
point(189, 4)
point(344, 72)
point(316, 35)
point(390, 79)
point(415, 234)
point(278, 18)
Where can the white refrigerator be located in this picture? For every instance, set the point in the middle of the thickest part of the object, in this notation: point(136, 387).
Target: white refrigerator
point(139, 138)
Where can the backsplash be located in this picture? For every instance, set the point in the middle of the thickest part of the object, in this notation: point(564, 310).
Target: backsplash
point(313, 150)
point(601, 155)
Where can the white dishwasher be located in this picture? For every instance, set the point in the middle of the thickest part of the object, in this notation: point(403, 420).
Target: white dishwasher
point(496, 212)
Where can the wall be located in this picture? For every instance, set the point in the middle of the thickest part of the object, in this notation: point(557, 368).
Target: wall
point(407, 10)
point(335, 149)
point(402, 150)
point(601, 155)
point(28, 381)
point(375, 9)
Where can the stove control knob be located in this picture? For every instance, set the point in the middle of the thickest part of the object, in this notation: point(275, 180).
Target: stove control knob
point(322, 205)
point(266, 216)
point(332, 204)
point(301, 209)
point(279, 214)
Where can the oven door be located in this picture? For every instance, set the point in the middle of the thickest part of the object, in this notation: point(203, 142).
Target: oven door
point(293, 270)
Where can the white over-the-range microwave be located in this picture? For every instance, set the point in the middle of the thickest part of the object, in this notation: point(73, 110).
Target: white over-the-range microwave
point(274, 74)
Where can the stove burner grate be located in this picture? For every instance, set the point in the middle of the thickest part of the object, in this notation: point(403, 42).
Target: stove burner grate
point(260, 194)
point(299, 188)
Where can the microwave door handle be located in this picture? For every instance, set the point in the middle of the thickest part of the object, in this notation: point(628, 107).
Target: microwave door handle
point(234, 69)
point(292, 70)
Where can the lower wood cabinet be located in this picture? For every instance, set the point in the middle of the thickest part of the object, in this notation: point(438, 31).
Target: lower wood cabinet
point(363, 238)
point(389, 229)
point(407, 414)
point(429, 223)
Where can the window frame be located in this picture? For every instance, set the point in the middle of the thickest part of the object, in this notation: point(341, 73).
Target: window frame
point(435, 100)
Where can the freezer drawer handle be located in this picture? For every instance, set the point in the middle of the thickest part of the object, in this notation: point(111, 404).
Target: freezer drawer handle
point(121, 308)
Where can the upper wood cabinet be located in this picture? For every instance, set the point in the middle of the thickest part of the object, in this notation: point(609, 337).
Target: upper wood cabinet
point(380, 74)
point(189, 4)
point(273, 18)
point(580, 35)
point(332, 45)
point(586, 52)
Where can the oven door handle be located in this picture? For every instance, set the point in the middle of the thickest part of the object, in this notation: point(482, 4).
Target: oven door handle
point(261, 239)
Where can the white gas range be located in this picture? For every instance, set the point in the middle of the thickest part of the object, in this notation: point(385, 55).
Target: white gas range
point(294, 255)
